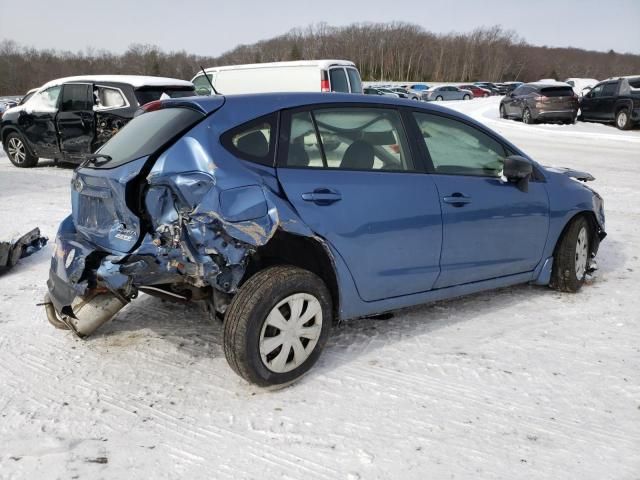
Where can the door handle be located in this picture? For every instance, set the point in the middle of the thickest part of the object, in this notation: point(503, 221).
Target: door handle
point(322, 196)
point(457, 199)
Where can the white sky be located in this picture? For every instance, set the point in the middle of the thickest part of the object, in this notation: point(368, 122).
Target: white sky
point(212, 27)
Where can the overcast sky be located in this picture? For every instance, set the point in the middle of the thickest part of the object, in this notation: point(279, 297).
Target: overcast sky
point(213, 27)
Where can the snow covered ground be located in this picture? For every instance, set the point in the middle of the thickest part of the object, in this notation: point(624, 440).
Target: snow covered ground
point(519, 383)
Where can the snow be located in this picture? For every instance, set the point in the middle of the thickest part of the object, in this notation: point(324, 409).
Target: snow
point(134, 80)
point(522, 382)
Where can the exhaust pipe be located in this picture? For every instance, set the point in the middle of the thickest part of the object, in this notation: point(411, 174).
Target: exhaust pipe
point(90, 312)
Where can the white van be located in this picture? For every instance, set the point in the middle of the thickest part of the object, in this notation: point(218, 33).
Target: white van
point(298, 76)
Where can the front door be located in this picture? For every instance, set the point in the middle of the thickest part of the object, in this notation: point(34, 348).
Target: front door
point(350, 174)
point(490, 228)
point(37, 122)
point(590, 105)
point(607, 102)
point(75, 120)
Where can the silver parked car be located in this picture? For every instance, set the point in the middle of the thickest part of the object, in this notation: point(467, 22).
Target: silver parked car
point(446, 92)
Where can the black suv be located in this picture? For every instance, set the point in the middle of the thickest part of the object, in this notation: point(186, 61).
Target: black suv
point(71, 117)
point(615, 100)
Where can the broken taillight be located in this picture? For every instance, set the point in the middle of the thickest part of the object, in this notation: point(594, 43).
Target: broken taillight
point(152, 106)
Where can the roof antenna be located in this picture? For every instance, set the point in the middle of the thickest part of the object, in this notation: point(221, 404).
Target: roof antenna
point(209, 80)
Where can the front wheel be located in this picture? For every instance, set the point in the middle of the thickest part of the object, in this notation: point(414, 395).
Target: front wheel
point(18, 152)
point(277, 325)
point(503, 112)
point(439, 99)
point(526, 117)
point(466, 97)
point(571, 259)
point(623, 120)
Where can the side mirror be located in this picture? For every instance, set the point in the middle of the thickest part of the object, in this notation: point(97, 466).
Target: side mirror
point(518, 170)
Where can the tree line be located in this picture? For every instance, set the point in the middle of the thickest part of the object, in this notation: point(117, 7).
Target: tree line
point(383, 52)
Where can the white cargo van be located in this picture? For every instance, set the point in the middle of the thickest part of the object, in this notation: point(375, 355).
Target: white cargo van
point(298, 76)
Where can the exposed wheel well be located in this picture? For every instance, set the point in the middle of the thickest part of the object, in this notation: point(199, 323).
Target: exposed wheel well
point(304, 252)
point(5, 133)
point(594, 238)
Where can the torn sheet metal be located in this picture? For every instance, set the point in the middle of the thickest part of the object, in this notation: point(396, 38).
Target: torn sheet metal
point(11, 252)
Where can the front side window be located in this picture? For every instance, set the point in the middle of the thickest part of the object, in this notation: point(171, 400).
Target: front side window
point(596, 91)
point(46, 100)
point(76, 97)
point(253, 141)
point(349, 139)
point(456, 148)
point(107, 97)
point(338, 80)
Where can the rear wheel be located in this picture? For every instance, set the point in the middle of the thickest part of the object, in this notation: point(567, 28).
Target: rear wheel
point(18, 152)
point(623, 120)
point(485, 95)
point(466, 97)
point(277, 325)
point(526, 117)
point(571, 259)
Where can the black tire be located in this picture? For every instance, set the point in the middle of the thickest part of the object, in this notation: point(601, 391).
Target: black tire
point(623, 119)
point(503, 112)
point(18, 151)
point(466, 97)
point(564, 276)
point(247, 315)
point(526, 116)
point(439, 99)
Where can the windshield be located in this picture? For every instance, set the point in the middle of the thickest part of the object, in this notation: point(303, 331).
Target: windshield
point(150, 94)
point(146, 134)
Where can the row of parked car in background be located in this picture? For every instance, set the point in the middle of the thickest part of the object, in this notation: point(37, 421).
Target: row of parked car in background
point(70, 118)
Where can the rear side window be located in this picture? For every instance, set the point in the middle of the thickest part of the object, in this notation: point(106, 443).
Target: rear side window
point(338, 80)
point(151, 94)
point(76, 97)
point(557, 92)
point(108, 97)
point(349, 139)
point(253, 141)
point(354, 80)
point(146, 134)
point(610, 89)
point(456, 148)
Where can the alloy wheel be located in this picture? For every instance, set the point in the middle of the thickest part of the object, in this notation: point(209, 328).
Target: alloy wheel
point(16, 150)
point(290, 332)
point(622, 119)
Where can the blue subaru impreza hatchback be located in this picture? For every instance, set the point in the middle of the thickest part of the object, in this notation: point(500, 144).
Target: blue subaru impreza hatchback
point(283, 213)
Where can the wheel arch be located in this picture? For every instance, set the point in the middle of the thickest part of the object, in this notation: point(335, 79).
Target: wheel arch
point(596, 232)
point(13, 129)
point(309, 253)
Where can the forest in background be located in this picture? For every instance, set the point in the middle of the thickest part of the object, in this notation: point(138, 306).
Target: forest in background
point(382, 52)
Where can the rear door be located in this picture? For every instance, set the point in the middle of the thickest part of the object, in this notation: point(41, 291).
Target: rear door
point(76, 119)
point(350, 174)
point(491, 228)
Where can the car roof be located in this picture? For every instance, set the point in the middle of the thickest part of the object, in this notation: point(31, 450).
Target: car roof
point(548, 84)
point(296, 63)
point(136, 81)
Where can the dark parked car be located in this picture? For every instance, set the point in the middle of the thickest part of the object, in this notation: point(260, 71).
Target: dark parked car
point(541, 102)
point(236, 202)
point(70, 118)
point(615, 100)
point(511, 86)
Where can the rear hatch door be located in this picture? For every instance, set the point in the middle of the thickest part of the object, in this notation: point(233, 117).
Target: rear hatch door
point(107, 192)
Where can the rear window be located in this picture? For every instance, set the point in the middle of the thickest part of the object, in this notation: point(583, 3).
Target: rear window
point(151, 94)
point(146, 134)
point(557, 91)
point(338, 80)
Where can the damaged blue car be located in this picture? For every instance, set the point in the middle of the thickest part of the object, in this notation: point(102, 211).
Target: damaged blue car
point(284, 213)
